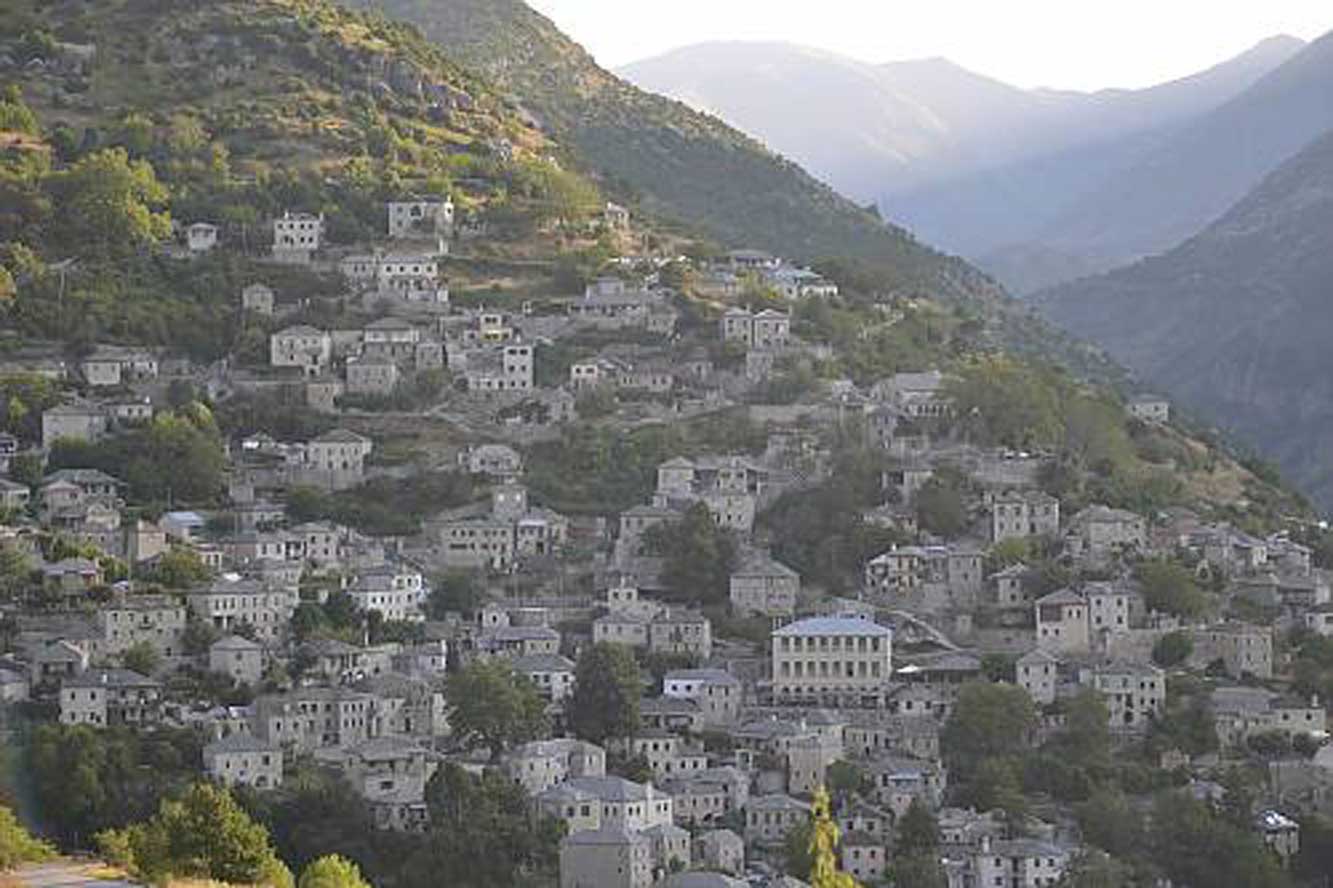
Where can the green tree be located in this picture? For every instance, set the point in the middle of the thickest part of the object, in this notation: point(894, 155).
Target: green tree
point(1095, 869)
point(607, 690)
point(1169, 588)
point(917, 871)
point(332, 871)
point(1107, 821)
point(110, 202)
point(698, 556)
point(16, 567)
point(15, 115)
point(988, 721)
point(455, 592)
point(918, 830)
point(204, 835)
point(494, 706)
point(940, 508)
point(17, 846)
point(483, 834)
point(142, 657)
point(843, 778)
point(1172, 649)
point(1086, 738)
point(1192, 846)
point(796, 857)
point(179, 568)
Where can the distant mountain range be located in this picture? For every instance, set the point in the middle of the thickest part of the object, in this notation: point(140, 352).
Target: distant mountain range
point(1037, 185)
point(1236, 321)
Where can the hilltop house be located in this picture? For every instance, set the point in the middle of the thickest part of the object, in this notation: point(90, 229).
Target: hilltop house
point(297, 237)
point(421, 218)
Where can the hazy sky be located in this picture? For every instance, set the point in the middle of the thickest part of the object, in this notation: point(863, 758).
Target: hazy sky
point(1071, 44)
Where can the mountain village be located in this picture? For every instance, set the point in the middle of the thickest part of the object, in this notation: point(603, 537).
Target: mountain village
point(735, 731)
point(417, 477)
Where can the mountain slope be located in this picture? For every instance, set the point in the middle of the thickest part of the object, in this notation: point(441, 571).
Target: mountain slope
point(1175, 190)
point(674, 161)
point(1236, 320)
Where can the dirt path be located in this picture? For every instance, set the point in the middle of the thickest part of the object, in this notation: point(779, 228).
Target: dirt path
point(65, 874)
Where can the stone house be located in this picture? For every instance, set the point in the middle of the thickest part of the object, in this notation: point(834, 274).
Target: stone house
point(106, 697)
point(615, 217)
point(613, 801)
point(110, 365)
point(681, 632)
point(1242, 648)
point(720, 850)
point(239, 658)
point(1150, 408)
point(397, 593)
point(832, 660)
point(372, 376)
point(551, 673)
point(242, 760)
point(507, 368)
point(228, 604)
point(497, 460)
point(75, 421)
point(609, 857)
point(1020, 863)
point(1038, 672)
point(306, 719)
point(1062, 622)
point(718, 692)
point(301, 346)
point(768, 329)
point(764, 587)
point(768, 818)
point(1101, 530)
point(258, 298)
point(543, 764)
point(1242, 712)
point(391, 774)
point(297, 237)
point(1135, 693)
point(420, 218)
point(14, 495)
point(201, 237)
point(1024, 514)
point(339, 452)
point(128, 620)
point(608, 303)
point(864, 856)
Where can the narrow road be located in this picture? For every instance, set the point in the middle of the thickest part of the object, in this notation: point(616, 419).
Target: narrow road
point(66, 873)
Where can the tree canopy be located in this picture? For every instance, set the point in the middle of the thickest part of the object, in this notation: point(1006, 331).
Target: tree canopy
point(495, 706)
point(110, 202)
point(332, 871)
point(698, 556)
point(17, 846)
point(203, 835)
point(607, 690)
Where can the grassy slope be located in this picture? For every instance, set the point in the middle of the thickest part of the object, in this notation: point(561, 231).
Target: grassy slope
point(676, 162)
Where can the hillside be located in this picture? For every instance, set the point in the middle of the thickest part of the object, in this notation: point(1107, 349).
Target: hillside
point(232, 113)
point(668, 159)
point(1235, 321)
point(963, 160)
